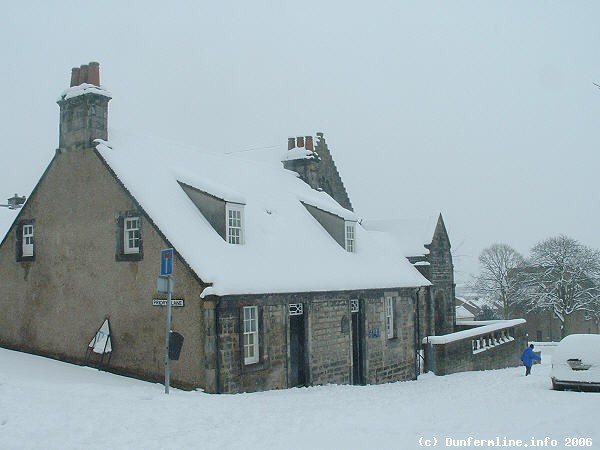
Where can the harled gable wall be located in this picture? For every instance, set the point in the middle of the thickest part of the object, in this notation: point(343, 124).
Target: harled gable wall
point(54, 304)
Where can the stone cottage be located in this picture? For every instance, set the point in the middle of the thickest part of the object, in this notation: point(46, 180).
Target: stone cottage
point(277, 283)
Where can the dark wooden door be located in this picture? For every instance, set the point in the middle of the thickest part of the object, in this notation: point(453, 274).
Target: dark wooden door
point(297, 355)
point(358, 376)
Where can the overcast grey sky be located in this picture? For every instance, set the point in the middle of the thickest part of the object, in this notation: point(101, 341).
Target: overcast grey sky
point(483, 111)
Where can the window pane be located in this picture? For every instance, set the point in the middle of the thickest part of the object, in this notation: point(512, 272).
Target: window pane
point(234, 225)
point(27, 242)
point(350, 232)
point(389, 317)
point(250, 334)
point(131, 234)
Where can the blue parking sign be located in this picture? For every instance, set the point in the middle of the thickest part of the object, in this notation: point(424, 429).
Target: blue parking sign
point(166, 262)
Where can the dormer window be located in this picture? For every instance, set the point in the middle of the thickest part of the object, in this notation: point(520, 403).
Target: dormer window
point(224, 212)
point(235, 223)
point(350, 237)
point(341, 230)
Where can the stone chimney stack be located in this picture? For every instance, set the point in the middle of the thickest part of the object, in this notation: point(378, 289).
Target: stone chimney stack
point(313, 162)
point(83, 109)
point(302, 159)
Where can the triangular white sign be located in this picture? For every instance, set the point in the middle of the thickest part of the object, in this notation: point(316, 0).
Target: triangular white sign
point(101, 341)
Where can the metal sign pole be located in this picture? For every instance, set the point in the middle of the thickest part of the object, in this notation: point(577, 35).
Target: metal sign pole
point(166, 274)
point(167, 335)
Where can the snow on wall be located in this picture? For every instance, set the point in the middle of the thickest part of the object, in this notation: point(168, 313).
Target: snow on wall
point(299, 153)
point(465, 334)
point(82, 89)
point(283, 243)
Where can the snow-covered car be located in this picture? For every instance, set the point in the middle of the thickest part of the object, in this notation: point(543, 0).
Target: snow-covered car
point(576, 363)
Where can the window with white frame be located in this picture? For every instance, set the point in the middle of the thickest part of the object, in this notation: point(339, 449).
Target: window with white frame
point(389, 317)
point(250, 334)
point(235, 223)
point(27, 240)
point(131, 235)
point(350, 237)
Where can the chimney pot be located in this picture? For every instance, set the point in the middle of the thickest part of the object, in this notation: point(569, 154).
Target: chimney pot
point(74, 76)
point(94, 74)
point(300, 141)
point(291, 143)
point(309, 143)
point(83, 74)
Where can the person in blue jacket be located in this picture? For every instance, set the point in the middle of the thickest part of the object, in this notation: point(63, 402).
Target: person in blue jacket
point(527, 357)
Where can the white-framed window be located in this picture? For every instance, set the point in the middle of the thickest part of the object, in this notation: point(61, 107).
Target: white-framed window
point(250, 334)
point(235, 223)
point(350, 237)
point(389, 317)
point(131, 235)
point(27, 240)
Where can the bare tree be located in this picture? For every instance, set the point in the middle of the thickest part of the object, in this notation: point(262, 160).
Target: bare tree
point(563, 276)
point(497, 283)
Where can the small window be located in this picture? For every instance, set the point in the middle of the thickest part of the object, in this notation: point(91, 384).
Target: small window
point(250, 334)
point(131, 235)
point(25, 250)
point(389, 317)
point(235, 222)
point(350, 237)
point(27, 240)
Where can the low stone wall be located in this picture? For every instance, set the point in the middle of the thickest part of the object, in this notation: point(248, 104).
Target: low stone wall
point(494, 346)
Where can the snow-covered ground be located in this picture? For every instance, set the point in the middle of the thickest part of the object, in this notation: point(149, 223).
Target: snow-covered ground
point(46, 404)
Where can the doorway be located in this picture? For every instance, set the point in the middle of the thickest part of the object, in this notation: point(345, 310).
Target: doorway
point(358, 372)
point(297, 345)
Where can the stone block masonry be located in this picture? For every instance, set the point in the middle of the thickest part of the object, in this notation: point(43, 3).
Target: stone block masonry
point(475, 349)
point(330, 343)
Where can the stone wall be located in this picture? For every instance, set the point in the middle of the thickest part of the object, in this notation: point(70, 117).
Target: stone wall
point(391, 359)
point(328, 339)
point(464, 355)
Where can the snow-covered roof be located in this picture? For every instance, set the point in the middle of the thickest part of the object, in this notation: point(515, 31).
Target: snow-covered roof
point(285, 248)
point(473, 301)
point(411, 233)
point(463, 313)
point(82, 89)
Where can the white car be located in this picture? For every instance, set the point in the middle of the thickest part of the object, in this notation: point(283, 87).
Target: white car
point(576, 363)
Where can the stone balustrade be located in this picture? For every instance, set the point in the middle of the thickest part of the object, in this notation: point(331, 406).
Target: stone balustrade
point(482, 346)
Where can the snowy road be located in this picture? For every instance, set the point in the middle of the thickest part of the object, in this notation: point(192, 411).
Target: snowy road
point(45, 404)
